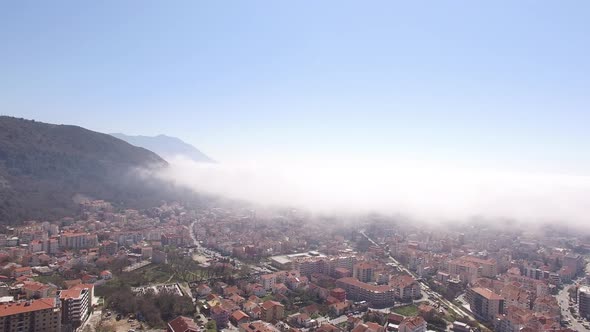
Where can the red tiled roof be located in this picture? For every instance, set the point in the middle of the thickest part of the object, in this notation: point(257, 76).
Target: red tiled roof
point(70, 293)
point(239, 315)
point(9, 309)
point(413, 322)
point(488, 294)
point(182, 324)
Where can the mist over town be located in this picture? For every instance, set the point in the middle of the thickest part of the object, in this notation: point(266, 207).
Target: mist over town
point(282, 166)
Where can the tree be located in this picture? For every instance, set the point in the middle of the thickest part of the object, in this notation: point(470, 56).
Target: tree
point(211, 326)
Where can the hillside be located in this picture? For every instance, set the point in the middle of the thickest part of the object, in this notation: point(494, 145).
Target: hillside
point(43, 166)
point(166, 146)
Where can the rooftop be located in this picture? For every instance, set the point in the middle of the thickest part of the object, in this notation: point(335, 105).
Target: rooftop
point(9, 309)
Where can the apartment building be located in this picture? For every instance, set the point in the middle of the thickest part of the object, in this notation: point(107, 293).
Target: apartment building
point(75, 306)
point(364, 271)
point(42, 315)
point(272, 311)
point(584, 301)
point(406, 288)
point(78, 240)
point(378, 296)
point(484, 303)
point(469, 268)
point(306, 266)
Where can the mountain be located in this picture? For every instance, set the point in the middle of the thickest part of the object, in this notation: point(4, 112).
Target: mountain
point(43, 167)
point(166, 146)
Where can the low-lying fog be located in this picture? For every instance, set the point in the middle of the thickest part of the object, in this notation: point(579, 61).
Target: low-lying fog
point(419, 190)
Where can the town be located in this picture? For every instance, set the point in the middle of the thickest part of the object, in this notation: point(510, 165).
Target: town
point(246, 269)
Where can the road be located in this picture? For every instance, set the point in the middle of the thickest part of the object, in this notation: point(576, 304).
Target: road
point(433, 295)
point(563, 299)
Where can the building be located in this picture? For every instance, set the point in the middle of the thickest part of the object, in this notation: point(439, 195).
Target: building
point(364, 271)
point(413, 324)
point(78, 240)
point(109, 247)
point(378, 296)
point(159, 257)
point(584, 301)
point(268, 281)
point(75, 306)
point(461, 327)
point(575, 262)
point(220, 316)
point(484, 303)
point(257, 326)
point(338, 293)
point(469, 268)
point(37, 290)
point(239, 317)
point(182, 324)
point(406, 288)
point(170, 239)
point(272, 311)
point(42, 315)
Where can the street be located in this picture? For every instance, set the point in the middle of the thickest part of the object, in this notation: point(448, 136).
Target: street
point(563, 299)
point(432, 294)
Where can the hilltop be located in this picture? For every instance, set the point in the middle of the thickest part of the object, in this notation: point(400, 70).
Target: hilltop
point(166, 146)
point(43, 167)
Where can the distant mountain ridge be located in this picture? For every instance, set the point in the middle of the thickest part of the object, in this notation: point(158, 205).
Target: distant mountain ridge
point(165, 146)
point(44, 166)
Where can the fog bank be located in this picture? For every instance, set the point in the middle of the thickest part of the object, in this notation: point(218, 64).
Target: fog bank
point(419, 190)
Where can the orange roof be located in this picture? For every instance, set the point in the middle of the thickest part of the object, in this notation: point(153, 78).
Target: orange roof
point(413, 322)
point(34, 286)
point(9, 309)
point(269, 304)
point(182, 324)
point(488, 294)
point(70, 293)
point(239, 315)
point(217, 309)
point(83, 286)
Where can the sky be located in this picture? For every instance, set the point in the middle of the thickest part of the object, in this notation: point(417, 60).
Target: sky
point(484, 84)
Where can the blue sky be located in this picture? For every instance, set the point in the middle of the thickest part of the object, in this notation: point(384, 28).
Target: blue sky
point(502, 84)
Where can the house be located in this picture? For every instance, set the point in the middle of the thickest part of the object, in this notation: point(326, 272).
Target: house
point(257, 326)
point(368, 327)
point(182, 324)
point(22, 271)
point(36, 290)
point(106, 275)
point(426, 311)
point(328, 328)
point(272, 311)
point(239, 317)
point(413, 324)
point(257, 290)
point(301, 319)
point(230, 290)
point(237, 299)
point(203, 290)
point(220, 316)
point(339, 308)
point(89, 278)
